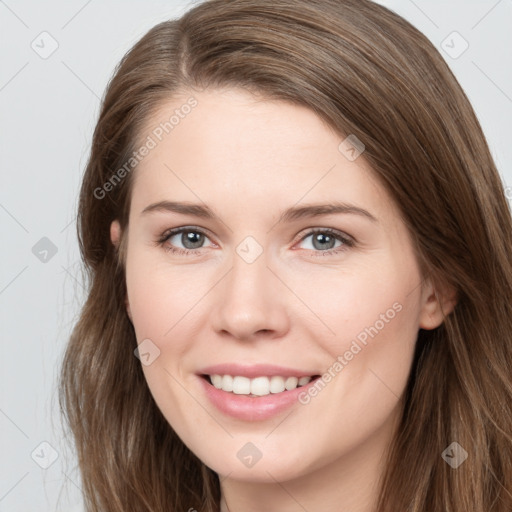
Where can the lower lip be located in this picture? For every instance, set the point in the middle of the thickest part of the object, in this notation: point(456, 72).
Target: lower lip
point(249, 408)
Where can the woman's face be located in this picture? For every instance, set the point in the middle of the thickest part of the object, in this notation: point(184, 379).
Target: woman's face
point(269, 284)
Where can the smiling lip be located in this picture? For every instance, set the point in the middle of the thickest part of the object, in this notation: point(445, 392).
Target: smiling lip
point(248, 408)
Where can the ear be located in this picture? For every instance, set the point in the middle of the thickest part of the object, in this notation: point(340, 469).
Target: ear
point(128, 310)
point(115, 233)
point(115, 237)
point(436, 304)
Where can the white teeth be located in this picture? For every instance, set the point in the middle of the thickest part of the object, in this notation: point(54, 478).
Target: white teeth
point(277, 384)
point(260, 386)
point(227, 383)
point(216, 381)
point(241, 385)
point(291, 383)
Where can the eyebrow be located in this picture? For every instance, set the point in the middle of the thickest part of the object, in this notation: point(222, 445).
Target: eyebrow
point(291, 214)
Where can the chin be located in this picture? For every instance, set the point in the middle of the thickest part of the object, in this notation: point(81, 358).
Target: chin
point(245, 462)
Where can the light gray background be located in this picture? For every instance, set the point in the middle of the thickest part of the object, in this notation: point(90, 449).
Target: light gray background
point(48, 110)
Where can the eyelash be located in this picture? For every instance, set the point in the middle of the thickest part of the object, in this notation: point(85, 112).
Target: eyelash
point(346, 241)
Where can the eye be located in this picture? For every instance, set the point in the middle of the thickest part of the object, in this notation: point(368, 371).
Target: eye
point(323, 241)
point(191, 238)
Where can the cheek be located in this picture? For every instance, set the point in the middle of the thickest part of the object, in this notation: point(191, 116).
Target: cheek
point(165, 311)
point(161, 298)
point(372, 319)
point(162, 310)
point(375, 301)
point(380, 316)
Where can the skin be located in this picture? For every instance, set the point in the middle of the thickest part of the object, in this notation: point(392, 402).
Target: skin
point(248, 159)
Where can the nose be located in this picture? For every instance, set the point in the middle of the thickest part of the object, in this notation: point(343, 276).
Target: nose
point(250, 302)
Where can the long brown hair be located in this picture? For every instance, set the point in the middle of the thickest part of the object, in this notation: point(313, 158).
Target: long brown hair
point(367, 72)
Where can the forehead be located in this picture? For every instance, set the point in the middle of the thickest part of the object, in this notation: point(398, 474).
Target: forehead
point(232, 144)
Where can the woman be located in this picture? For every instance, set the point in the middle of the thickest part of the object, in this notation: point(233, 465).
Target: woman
point(227, 360)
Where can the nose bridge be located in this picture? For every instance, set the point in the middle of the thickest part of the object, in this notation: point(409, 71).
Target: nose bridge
point(247, 300)
point(249, 278)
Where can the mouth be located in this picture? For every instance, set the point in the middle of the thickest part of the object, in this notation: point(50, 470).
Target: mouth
point(254, 393)
point(259, 386)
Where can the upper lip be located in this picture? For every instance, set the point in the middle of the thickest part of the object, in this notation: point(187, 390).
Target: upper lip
point(254, 370)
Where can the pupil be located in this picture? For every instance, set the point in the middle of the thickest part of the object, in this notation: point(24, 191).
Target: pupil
point(193, 238)
point(322, 238)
